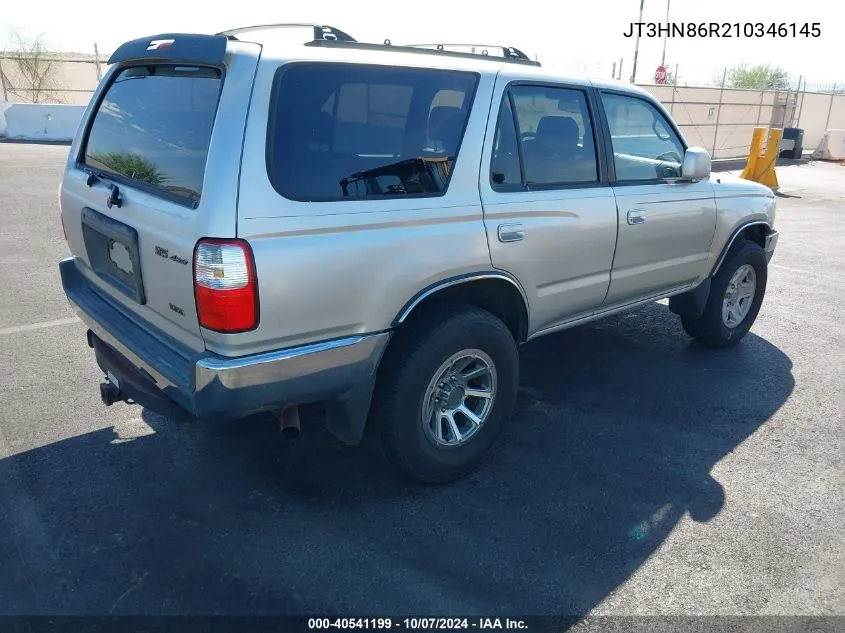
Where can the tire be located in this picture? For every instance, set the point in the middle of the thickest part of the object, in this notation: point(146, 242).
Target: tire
point(691, 325)
point(711, 328)
point(416, 356)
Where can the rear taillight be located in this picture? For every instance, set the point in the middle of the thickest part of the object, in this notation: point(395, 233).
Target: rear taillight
point(225, 285)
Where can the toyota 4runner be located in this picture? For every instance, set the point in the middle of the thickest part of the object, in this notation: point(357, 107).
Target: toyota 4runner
point(259, 221)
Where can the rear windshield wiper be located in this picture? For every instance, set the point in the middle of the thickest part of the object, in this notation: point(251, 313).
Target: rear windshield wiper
point(94, 176)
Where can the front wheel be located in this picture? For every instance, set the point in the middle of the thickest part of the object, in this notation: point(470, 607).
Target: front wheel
point(445, 389)
point(736, 294)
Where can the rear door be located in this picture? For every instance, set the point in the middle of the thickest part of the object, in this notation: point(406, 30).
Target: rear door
point(549, 210)
point(140, 189)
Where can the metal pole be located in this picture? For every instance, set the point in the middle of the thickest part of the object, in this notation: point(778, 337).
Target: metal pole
point(674, 87)
point(613, 74)
point(760, 109)
point(637, 45)
point(97, 61)
point(801, 107)
point(665, 35)
point(719, 113)
point(620, 68)
point(830, 107)
point(795, 102)
point(785, 106)
point(3, 82)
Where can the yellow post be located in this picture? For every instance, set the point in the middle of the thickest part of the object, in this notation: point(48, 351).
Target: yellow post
point(760, 166)
point(766, 175)
point(753, 153)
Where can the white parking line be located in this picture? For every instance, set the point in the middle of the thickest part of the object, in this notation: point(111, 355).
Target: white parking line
point(37, 326)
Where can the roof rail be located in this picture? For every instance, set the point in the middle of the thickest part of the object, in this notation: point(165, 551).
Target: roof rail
point(320, 32)
point(508, 53)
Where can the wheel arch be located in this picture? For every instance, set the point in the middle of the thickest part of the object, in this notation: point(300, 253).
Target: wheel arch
point(692, 302)
point(495, 291)
point(754, 231)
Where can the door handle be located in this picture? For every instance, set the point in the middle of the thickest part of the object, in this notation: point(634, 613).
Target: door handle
point(512, 232)
point(636, 216)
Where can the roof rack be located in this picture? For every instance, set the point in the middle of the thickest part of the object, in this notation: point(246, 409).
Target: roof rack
point(320, 32)
point(508, 53)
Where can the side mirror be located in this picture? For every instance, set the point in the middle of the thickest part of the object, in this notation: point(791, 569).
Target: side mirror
point(696, 165)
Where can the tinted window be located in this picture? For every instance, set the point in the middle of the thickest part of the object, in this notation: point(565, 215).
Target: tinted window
point(644, 145)
point(504, 164)
point(556, 135)
point(153, 127)
point(341, 131)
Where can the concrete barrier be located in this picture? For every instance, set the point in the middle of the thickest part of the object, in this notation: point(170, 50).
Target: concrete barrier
point(40, 121)
point(832, 146)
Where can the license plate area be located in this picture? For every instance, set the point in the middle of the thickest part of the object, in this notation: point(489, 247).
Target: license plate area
point(112, 248)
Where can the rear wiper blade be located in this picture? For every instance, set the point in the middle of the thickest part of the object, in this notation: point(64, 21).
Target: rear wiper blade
point(93, 177)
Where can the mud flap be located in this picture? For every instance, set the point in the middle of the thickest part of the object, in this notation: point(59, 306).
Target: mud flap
point(346, 417)
point(692, 302)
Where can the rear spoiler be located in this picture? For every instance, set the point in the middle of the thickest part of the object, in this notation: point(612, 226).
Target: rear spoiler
point(181, 48)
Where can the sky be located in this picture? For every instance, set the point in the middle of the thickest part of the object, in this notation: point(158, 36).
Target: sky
point(583, 36)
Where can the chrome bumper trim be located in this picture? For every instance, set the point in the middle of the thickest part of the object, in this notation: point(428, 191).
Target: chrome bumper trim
point(353, 354)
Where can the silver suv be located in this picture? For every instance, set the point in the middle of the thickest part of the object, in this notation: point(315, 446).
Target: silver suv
point(260, 220)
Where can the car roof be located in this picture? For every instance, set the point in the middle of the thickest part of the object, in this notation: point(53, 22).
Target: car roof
point(281, 47)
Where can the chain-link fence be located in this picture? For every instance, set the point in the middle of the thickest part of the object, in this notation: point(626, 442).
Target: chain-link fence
point(721, 117)
point(68, 78)
point(710, 111)
point(715, 113)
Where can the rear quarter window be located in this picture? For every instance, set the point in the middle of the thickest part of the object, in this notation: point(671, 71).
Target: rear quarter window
point(152, 129)
point(348, 131)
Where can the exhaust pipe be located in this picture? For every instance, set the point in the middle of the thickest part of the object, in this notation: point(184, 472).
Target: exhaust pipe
point(289, 422)
point(110, 394)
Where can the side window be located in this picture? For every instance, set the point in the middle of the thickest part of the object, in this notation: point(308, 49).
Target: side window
point(644, 145)
point(556, 135)
point(347, 131)
point(504, 164)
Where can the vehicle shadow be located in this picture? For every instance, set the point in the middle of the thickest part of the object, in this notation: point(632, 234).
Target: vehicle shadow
point(618, 426)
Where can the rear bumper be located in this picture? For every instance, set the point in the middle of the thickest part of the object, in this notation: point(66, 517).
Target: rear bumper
point(158, 372)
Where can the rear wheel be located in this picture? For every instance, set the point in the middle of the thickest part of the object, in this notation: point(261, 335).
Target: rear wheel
point(736, 294)
point(445, 390)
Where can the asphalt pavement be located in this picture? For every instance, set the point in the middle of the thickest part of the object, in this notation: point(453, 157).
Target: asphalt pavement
point(640, 474)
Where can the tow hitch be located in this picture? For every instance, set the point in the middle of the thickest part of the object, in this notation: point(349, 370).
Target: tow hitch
point(110, 394)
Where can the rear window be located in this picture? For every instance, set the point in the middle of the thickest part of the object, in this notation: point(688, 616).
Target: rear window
point(153, 127)
point(346, 131)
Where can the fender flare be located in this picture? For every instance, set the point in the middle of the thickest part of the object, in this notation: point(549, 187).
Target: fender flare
point(449, 282)
point(735, 234)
